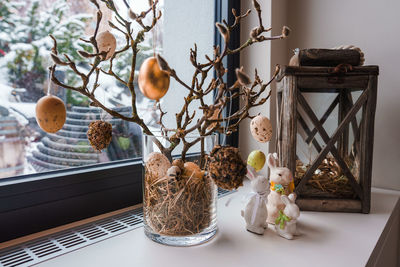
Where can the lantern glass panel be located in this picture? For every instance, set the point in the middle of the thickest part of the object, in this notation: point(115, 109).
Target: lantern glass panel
point(318, 118)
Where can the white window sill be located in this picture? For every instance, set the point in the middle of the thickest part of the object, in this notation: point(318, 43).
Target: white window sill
point(328, 239)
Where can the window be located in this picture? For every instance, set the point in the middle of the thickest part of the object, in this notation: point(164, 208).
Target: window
point(24, 80)
point(33, 197)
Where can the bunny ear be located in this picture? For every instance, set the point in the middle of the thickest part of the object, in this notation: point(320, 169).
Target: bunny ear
point(251, 172)
point(271, 161)
point(276, 159)
point(292, 197)
point(285, 200)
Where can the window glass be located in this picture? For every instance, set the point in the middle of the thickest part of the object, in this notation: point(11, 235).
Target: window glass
point(24, 61)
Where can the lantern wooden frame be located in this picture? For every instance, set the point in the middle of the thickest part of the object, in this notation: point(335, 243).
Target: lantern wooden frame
point(292, 82)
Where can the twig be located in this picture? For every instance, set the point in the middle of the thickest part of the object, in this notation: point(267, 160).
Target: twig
point(251, 92)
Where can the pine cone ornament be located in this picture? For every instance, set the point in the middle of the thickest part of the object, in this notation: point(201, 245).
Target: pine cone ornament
point(226, 167)
point(99, 134)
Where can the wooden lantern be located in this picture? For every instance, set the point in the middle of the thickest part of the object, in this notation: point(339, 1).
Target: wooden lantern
point(326, 117)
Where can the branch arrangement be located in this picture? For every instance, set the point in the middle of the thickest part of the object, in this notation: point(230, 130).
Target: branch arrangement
point(198, 88)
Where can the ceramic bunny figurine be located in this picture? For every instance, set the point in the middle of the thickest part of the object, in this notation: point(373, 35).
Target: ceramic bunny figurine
point(285, 224)
point(281, 183)
point(256, 212)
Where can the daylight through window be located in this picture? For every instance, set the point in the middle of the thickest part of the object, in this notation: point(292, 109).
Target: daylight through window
point(24, 61)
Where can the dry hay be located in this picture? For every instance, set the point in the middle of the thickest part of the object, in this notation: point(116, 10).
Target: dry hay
point(179, 206)
point(328, 179)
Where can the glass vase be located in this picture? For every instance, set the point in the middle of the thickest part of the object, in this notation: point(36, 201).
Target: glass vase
point(179, 198)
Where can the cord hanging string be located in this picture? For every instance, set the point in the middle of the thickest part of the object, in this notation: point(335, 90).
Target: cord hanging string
point(49, 82)
point(103, 114)
point(153, 31)
point(229, 118)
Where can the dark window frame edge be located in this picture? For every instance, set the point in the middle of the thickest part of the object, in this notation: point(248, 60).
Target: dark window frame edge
point(223, 11)
point(44, 201)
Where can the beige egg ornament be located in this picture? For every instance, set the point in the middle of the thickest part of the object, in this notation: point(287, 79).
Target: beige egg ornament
point(106, 42)
point(50, 113)
point(261, 129)
point(157, 165)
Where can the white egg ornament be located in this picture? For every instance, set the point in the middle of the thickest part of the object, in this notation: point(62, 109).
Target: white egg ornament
point(261, 129)
point(50, 113)
point(106, 42)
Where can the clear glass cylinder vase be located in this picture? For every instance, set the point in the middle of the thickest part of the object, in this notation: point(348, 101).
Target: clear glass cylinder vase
point(179, 198)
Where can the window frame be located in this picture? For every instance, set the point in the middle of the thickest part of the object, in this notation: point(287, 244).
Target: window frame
point(37, 202)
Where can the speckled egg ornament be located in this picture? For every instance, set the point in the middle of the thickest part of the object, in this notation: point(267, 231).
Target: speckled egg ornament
point(106, 42)
point(50, 113)
point(226, 167)
point(261, 129)
point(157, 166)
point(99, 134)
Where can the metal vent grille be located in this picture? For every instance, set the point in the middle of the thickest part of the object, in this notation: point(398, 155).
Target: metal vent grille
point(36, 251)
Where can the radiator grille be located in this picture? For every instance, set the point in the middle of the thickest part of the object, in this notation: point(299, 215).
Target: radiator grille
point(36, 251)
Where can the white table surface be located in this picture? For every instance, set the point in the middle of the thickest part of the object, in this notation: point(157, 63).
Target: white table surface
point(328, 239)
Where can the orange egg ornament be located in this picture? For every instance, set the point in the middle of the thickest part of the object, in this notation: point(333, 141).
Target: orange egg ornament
point(153, 82)
point(191, 169)
point(50, 113)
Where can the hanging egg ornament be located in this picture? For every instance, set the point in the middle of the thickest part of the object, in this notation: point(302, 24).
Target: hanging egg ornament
point(50, 113)
point(261, 129)
point(256, 159)
point(153, 82)
point(106, 42)
point(99, 134)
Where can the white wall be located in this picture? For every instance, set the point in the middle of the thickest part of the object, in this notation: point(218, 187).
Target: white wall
point(186, 22)
point(280, 54)
point(371, 25)
point(257, 56)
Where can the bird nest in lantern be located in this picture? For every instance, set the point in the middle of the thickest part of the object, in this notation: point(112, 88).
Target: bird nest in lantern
point(327, 180)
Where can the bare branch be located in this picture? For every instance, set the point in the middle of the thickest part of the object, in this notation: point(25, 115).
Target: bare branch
point(252, 93)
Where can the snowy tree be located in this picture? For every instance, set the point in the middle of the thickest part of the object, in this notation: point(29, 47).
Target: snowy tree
point(30, 44)
point(7, 24)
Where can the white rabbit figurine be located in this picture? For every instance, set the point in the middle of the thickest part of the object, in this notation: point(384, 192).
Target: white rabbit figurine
point(281, 181)
point(285, 224)
point(256, 212)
